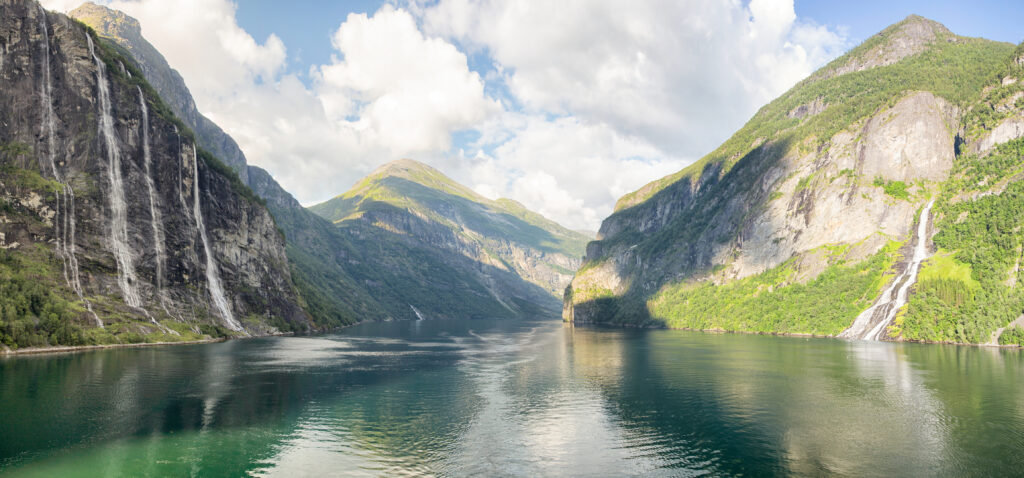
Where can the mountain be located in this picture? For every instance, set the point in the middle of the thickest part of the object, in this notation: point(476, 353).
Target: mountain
point(417, 233)
point(806, 219)
point(332, 298)
point(116, 227)
point(125, 32)
point(338, 271)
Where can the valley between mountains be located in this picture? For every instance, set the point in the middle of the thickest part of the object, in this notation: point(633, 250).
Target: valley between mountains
point(880, 198)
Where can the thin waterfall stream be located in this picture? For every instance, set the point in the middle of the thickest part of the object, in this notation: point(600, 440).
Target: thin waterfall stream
point(154, 212)
point(212, 275)
point(119, 244)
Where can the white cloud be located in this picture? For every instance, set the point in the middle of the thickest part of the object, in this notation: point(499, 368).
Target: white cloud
point(565, 169)
point(409, 91)
point(582, 100)
point(682, 75)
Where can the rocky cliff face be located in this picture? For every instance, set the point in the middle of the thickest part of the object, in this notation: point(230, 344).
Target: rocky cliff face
point(125, 218)
point(126, 32)
point(816, 184)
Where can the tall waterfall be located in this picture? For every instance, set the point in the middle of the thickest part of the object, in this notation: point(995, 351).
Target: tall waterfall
point(63, 224)
point(871, 324)
point(154, 212)
point(212, 275)
point(119, 244)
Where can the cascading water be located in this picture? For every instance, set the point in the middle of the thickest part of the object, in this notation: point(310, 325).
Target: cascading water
point(416, 311)
point(181, 178)
point(119, 244)
point(155, 219)
point(871, 324)
point(212, 275)
point(63, 224)
point(154, 212)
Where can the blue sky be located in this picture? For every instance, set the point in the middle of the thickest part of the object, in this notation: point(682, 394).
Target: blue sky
point(563, 106)
point(306, 26)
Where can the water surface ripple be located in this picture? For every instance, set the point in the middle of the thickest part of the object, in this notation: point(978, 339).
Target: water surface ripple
point(515, 398)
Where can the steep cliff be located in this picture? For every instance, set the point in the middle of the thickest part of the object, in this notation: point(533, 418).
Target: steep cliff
point(793, 223)
point(133, 232)
point(126, 33)
point(418, 234)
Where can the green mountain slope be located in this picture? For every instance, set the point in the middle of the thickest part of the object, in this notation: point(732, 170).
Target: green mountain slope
point(807, 204)
point(506, 258)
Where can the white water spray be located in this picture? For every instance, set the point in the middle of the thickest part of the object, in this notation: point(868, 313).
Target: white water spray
point(63, 224)
point(212, 275)
point(419, 316)
point(119, 244)
point(154, 212)
point(888, 304)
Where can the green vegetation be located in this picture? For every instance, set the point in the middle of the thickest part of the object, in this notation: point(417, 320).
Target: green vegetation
point(894, 189)
point(967, 299)
point(996, 102)
point(771, 302)
point(31, 313)
point(418, 188)
point(1012, 336)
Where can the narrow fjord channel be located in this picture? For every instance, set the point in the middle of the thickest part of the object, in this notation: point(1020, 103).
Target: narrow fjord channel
point(515, 398)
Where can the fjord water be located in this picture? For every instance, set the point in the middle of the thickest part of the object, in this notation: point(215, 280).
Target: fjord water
point(495, 398)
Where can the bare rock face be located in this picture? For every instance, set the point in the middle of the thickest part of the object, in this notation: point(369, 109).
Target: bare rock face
point(809, 109)
point(840, 203)
point(104, 147)
point(913, 140)
point(1007, 130)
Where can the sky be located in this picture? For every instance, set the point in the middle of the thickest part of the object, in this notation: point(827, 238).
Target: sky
point(563, 106)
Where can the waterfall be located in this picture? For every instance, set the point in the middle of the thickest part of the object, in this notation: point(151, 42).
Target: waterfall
point(212, 276)
point(119, 244)
point(866, 327)
point(154, 212)
point(419, 316)
point(181, 179)
point(63, 224)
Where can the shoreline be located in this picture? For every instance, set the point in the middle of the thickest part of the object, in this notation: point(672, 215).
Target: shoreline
point(64, 349)
point(785, 334)
point(68, 349)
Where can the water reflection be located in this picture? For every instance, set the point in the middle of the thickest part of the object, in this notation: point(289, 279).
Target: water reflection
point(468, 398)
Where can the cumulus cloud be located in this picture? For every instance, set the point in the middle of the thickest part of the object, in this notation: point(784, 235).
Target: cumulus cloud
point(680, 74)
point(569, 105)
point(409, 91)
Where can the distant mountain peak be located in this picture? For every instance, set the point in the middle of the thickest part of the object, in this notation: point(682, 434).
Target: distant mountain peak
point(402, 167)
point(903, 39)
point(107, 21)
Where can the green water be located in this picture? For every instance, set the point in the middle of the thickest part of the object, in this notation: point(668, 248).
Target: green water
point(493, 398)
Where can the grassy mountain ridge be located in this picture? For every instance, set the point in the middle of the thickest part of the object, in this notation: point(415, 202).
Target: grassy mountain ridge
point(418, 187)
point(422, 208)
